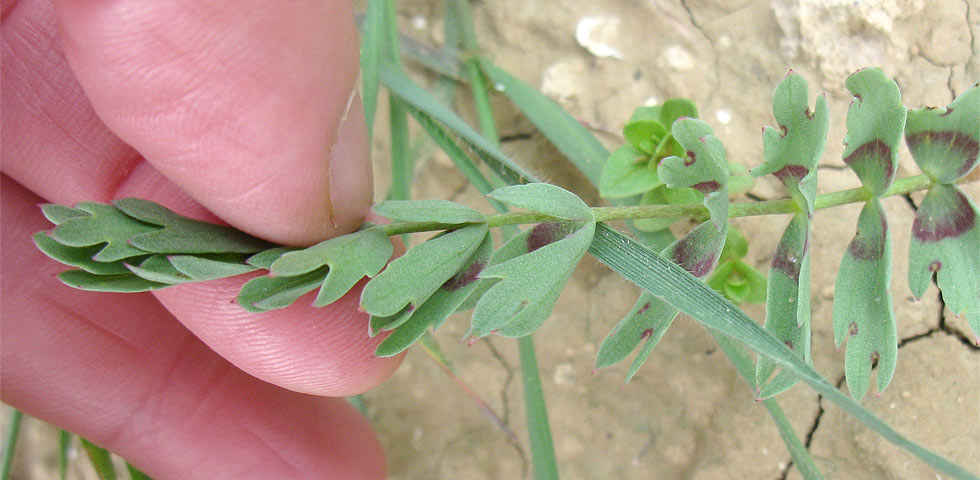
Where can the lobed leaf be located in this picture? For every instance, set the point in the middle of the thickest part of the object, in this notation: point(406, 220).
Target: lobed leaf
point(792, 150)
point(266, 258)
point(440, 305)
point(945, 236)
point(703, 168)
point(104, 224)
point(862, 304)
point(80, 257)
point(788, 304)
point(266, 293)
point(203, 268)
point(184, 235)
point(438, 211)
point(157, 268)
point(350, 257)
point(530, 283)
point(57, 214)
point(545, 198)
point(875, 122)
point(410, 279)
point(626, 173)
point(945, 142)
point(698, 253)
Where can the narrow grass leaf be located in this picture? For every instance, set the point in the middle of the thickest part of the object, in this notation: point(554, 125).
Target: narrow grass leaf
point(439, 211)
point(10, 443)
point(545, 198)
point(372, 46)
point(438, 307)
point(104, 224)
point(135, 473)
point(350, 257)
point(265, 293)
point(945, 142)
point(121, 283)
point(792, 149)
point(945, 236)
point(410, 279)
point(543, 461)
point(875, 123)
point(100, 458)
point(184, 235)
point(862, 303)
point(565, 132)
point(80, 257)
point(703, 168)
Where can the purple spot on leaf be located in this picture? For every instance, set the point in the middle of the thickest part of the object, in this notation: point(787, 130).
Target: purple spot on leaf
point(865, 247)
point(935, 266)
point(795, 172)
point(644, 308)
point(789, 343)
point(852, 329)
point(784, 130)
point(875, 356)
point(707, 187)
point(689, 256)
point(788, 261)
point(808, 113)
point(947, 112)
point(690, 159)
point(464, 278)
point(544, 234)
point(646, 333)
point(957, 221)
point(960, 145)
point(875, 151)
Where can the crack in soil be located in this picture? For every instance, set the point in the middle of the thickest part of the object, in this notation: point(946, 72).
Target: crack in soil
point(812, 430)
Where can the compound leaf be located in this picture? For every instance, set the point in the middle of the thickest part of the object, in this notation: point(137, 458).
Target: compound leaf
point(788, 304)
point(440, 305)
point(439, 211)
point(627, 173)
point(350, 258)
point(945, 236)
point(545, 198)
point(945, 142)
point(875, 123)
point(410, 279)
point(104, 224)
point(862, 304)
point(792, 150)
point(530, 283)
point(184, 235)
point(703, 168)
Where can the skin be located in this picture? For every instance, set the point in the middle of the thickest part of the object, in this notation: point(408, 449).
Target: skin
point(245, 114)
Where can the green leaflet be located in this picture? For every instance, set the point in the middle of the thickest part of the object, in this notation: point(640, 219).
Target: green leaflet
point(736, 280)
point(412, 278)
point(437, 211)
point(57, 214)
point(875, 122)
point(792, 150)
point(627, 173)
point(945, 236)
point(184, 235)
point(175, 269)
point(862, 303)
point(80, 257)
point(157, 268)
point(703, 167)
point(122, 283)
point(945, 142)
point(265, 293)
point(350, 257)
point(531, 282)
point(788, 304)
point(265, 258)
point(698, 253)
point(440, 305)
point(103, 224)
point(545, 198)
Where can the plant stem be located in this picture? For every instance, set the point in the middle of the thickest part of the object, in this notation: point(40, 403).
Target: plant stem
point(745, 209)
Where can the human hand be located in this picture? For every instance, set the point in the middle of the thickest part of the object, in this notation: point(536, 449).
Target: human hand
point(245, 111)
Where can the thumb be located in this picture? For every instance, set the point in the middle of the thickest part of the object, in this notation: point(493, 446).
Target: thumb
point(250, 107)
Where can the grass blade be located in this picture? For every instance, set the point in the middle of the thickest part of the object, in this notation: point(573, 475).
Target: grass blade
point(64, 445)
point(542, 448)
point(101, 460)
point(372, 48)
point(135, 473)
point(10, 442)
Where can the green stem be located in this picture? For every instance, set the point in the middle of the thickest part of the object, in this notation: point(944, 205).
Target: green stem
point(746, 209)
point(10, 442)
point(542, 448)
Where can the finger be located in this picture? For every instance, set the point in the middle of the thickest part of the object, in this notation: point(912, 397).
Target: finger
point(249, 108)
point(124, 374)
